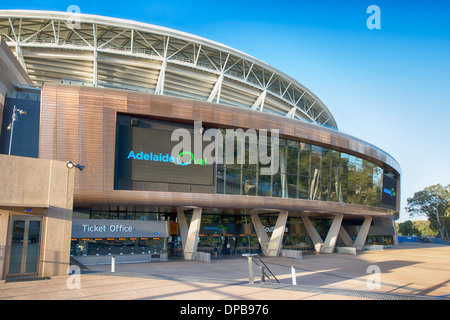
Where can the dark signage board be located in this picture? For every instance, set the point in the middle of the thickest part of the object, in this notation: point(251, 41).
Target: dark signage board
point(389, 192)
point(144, 154)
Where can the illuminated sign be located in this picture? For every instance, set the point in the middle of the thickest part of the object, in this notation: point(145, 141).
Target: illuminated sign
point(167, 158)
point(219, 228)
point(390, 192)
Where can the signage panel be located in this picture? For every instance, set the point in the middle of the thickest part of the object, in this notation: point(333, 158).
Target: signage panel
point(144, 154)
point(98, 228)
point(389, 192)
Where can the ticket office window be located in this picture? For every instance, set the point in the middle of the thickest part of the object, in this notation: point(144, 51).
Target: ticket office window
point(117, 246)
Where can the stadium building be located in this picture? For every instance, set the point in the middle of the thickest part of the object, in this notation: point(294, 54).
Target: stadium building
point(106, 95)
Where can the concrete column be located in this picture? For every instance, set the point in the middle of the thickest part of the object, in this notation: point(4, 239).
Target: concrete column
point(331, 239)
point(313, 234)
point(276, 240)
point(270, 247)
point(343, 234)
point(189, 235)
point(395, 236)
point(260, 232)
point(362, 234)
point(182, 225)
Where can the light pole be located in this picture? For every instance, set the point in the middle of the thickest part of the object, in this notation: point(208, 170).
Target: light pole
point(11, 125)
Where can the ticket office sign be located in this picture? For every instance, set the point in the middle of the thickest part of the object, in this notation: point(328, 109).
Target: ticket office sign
point(98, 228)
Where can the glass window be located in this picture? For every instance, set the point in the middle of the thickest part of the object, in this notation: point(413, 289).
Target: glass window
point(326, 163)
point(292, 186)
point(316, 158)
point(305, 159)
point(282, 159)
point(233, 181)
point(267, 154)
point(306, 172)
point(278, 186)
point(220, 178)
point(303, 187)
point(251, 156)
point(292, 161)
point(80, 213)
point(324, 190)
point(249, 182)
point(335, 185)
point(264, 185)
point(351, 193)
point(118, 246)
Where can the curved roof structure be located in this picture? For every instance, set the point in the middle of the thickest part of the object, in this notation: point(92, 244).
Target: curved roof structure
point(60, 47)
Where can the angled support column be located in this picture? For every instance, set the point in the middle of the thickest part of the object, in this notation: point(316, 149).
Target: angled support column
point(362, 234)
point(331, 239)
point(276, 240)
point(344, 236)
point(189, 235)
point(313, 234)
point(260, 232)
point(270, 247)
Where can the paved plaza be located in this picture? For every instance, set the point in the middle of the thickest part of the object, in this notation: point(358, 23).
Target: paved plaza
point(410, 271)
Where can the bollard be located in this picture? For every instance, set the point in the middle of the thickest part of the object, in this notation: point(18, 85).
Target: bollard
point(294, 277)
point(113, 264)
point(263, 276)
point(251, 280)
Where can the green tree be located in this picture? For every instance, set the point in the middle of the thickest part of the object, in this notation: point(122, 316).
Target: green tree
point(424, 228)
point(433, 202)
point(407, 229)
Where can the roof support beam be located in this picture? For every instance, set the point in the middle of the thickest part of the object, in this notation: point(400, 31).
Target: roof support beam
point(260, 101)
point(215, 92)
point(201, 63)
point(291, 113)
point(161, 79)
point(18, 48)
point(54, 33)
point(162, 73)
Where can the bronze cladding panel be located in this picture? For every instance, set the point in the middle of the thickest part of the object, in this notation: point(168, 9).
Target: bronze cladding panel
point(79, 123)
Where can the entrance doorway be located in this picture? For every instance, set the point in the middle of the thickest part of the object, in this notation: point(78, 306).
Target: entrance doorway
point(24, 247)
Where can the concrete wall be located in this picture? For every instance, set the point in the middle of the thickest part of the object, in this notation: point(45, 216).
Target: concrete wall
point(45, 187)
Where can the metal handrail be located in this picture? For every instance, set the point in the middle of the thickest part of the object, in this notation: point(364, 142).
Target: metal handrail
point(249, 255)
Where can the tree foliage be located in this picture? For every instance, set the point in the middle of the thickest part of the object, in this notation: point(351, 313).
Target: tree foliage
point(407, 229)
point(418, 228)
point(433, 202)
point(424, 228)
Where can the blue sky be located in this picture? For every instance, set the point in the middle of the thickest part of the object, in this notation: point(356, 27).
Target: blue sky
point(390, 87)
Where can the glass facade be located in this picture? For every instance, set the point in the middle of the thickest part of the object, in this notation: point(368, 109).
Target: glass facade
point(306, 172)
point(222, 232)
point(117, 246)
